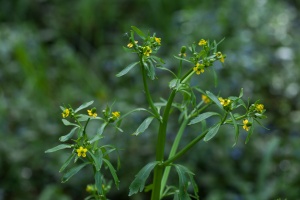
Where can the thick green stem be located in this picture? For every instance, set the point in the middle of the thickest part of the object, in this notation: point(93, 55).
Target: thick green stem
point(160, 149)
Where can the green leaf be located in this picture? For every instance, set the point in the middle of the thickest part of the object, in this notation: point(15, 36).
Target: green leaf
point(138, 183)
point(174, 83)
point(127, 69)
point(113, 172)
point(68, 161)
point(249, 134)
point(98, 136)
point(236, 127)
point(59, 147)
point(72, 172)
point(144, 125)
point(84, 105)
point(68, 136)
point(241, 93)
point(212, 132)
point(202, 117)
point(97, 157)
point(185, 177)
point(139, 32)
point(214, 99)
point(67, 123)
point(130, 50)
point(98, 182)
point(179, 58)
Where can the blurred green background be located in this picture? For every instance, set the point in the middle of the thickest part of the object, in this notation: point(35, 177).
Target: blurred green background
point(59, 52)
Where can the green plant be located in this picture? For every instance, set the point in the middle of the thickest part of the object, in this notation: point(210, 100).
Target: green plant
point(196, 107)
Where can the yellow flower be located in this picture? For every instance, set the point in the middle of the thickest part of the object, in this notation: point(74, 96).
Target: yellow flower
point(246, 125)
point(65, 113)
point(199, 68)
point(92, 112)
point(205, 98)
point(130, 44)
point(158, 40)
point(116, 115)
point(221, 57)
point(202, 42)
point(147, 50)
point(90, 188)
point(259, 108)
point(81, 152)
point(224, 102)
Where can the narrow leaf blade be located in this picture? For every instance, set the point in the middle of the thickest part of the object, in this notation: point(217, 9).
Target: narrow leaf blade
point(68, 136)
point(144, 125)
point(139, 32)
point(126, 69)
point(84, 105)
point(211, 133)
point(72, 172)
point(58, 147)
point(214, 99)
point(113, 172)
point(202, 117)
point(68, 161)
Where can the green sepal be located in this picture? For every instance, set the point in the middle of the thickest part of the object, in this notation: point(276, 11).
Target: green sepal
point(72, 172)
point(127, 69)
point(84, 105)
point(138, 183)
point(68, 136)
point(58, 147)
point(139, 32)
point(236, 128)
point(97, 157)
point(68, 161)
point(144, 125)
point(202, 117)
point(212, 132)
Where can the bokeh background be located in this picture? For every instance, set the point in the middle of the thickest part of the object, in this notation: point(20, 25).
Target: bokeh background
point(68, 52)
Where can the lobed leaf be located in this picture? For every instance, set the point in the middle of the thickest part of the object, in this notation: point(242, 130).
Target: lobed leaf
point(138, 183)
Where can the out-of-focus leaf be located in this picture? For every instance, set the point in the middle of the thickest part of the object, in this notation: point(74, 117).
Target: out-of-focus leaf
point(98, 182)
point(139, 32)
point(236, 128)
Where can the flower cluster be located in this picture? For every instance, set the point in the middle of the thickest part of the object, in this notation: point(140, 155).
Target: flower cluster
point(81, 152)
point(224, 102)
point(92, 112)
point(205, 99)
point(65, 113)
point(199, 68)
point(246, 124)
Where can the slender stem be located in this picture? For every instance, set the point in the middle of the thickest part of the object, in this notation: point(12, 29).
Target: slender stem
point(172, 153)
point(185, 149)
point(160, 149)
point(146, 88)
